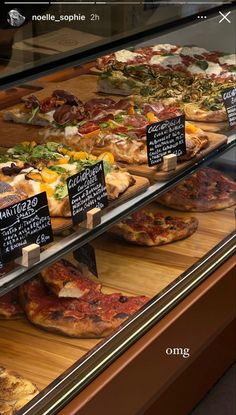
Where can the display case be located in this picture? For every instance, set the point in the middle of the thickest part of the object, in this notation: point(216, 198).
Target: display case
point(164, 244)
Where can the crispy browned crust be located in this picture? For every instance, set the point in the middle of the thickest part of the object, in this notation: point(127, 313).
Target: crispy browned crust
point(194, 113)
point(196, 205)
point(19, 116)
point(175, 200)
point(117, 182)
point(65, 280)
point(15, 391)
point(57, 322)
point(10, 308)
point(10, 194)
point(143, 238)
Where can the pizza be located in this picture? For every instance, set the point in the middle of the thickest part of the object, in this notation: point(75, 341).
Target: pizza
point(41, 112)
point(166, 57)
point(93, 315)
point(15, 391)
point(154, 228)
point(10, 307)
point(120, 128)
point(65, 280)
point(205, 190)
point(10, 194)
point(32, 169)
point(191, 77)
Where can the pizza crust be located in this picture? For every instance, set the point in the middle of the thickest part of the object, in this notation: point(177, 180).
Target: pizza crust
point(15, 391)
point(194, 113)
point(184, 196)
point(143, 238)
point(66, 316)
point(18, 116)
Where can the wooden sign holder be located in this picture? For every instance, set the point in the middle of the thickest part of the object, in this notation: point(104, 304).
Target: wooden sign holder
point(93, 218)
point(169, 162)
point(30, 255)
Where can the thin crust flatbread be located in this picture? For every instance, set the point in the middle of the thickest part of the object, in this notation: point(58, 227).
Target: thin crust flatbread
point(15, 391)
point(154, 228)
point(205, 190)
point(94, 315)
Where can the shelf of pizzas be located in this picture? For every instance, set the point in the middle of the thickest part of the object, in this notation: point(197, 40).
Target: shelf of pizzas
point(70, 125)
point(57, 317)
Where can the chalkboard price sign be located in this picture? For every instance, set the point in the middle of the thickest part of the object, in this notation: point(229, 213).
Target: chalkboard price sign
point(24, 223)
point(87, 190)
point(229, 99)
point(165, 137)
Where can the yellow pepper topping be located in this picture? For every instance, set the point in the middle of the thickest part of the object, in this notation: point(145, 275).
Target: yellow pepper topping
point(151, 117)
point(45, 188)
point(80, 155)
point(107, 156)
point(49, 176)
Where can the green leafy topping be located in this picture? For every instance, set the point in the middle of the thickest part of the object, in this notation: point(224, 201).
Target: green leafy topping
point(119, 118)
point(232, 69)
point(107, 167)
point(34, 111)
point(4, 158)
point(57, 169)
point(202, 64)
point(52, 146)
point(103, 125)
point(145, 91)
point(60, 192)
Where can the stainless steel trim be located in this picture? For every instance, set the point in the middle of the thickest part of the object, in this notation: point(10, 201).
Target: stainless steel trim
point(69, 384)
point(79, 238)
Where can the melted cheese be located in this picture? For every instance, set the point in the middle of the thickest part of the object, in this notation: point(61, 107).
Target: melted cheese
point(71, 130)
point(166, 46)
point(68, 167)
point(191, 51)
point(48, 116)
point(213, 69)
point(228, 59)
point(165, 60)
point(125, 55)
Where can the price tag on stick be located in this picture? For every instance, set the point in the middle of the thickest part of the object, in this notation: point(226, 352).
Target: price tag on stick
point(24, 223)
point(229, 100)
point(87, 190)
point(166, 137)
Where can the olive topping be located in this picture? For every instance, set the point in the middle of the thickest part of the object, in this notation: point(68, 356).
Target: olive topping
point(11, 170)
point(123, 299)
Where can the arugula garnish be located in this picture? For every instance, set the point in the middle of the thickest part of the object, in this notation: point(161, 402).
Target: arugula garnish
point(57, 169)
point(34, 111)
point(60, 192)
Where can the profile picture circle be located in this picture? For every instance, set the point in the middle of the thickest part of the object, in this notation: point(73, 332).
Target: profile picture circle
point(15, 18)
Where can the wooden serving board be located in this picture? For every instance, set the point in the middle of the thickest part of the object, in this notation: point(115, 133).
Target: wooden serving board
point(59, 225)
point(155, 174)
point(122, 267)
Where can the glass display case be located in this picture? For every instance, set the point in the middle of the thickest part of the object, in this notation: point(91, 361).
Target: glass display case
point(160, 240)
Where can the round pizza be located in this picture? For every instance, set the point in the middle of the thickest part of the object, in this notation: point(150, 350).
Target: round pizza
point(205, 190)
point(154, 228)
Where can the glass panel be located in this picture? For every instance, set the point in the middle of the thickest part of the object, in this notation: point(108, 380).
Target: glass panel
point(34, 33)
point(128, 265)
